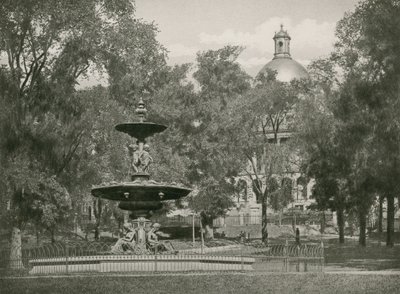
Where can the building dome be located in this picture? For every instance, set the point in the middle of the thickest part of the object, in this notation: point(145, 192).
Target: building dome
point(287, 69)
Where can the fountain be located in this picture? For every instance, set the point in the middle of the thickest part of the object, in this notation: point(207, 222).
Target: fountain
point(141, 196)
point(139, 250)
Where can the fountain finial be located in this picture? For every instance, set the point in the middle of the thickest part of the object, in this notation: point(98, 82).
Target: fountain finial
point(141, 110)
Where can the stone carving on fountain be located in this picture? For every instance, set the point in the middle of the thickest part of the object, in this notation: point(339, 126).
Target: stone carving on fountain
point(141, 195)
point(140, 160)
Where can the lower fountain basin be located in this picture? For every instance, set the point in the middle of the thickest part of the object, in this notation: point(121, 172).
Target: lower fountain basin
point(140, 191)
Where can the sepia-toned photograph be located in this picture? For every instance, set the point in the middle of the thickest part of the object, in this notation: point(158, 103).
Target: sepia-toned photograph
point(199, 146)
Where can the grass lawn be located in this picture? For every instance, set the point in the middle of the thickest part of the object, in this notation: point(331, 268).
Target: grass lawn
point(207, 283)
point(351, 255)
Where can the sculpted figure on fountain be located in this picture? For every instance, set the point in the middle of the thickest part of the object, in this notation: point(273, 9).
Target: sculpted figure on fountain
point(145, 158)
point(140, 240)
point(156, 246)
point(126, 243)
point(140, 160)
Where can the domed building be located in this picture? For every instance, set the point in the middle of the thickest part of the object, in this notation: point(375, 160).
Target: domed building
point(286, 68)
point(248, 208)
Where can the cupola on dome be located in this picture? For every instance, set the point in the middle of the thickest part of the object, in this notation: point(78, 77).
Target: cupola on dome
point(287, 69)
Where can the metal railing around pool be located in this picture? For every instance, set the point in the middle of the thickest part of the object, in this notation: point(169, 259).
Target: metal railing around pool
point(95, 257)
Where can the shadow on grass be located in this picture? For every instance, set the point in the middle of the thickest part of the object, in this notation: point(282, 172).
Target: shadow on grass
point(375, 256)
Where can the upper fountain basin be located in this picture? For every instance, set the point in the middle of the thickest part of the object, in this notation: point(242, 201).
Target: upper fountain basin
point(140, 130)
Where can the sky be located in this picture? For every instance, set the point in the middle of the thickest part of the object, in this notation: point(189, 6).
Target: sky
point(189, 26)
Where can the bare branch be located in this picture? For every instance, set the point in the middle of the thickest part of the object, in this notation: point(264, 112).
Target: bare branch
point(78, 73)
point(72, 149)
point(254, 168)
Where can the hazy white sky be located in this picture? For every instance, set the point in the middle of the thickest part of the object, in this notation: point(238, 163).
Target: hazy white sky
point(187, 26)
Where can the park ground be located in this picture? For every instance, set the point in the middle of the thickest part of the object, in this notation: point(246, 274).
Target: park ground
point(345, 282)
point(349, 268)
point(350, 256)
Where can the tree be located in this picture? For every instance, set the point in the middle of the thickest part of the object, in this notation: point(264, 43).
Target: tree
point(368, 42)
point(213, 200)
point(171, 105)
point(338, 144)
point(238, 187)
point(280, 195)
point(322, 153)
point(102, 154)
point(357, 136)
point(49, 45)
point(205, 140)
point(134, 60)
point(257, 120)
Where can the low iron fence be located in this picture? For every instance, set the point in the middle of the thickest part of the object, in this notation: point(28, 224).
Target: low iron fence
point(95, 257)
point(298, 218)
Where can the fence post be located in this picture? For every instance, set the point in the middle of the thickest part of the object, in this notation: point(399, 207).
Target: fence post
point(241, 257)
point(193, 231)
point(322, 258)
point(202, 237)
point(66, 258)
point(286, 255)
point(306, 259)
point(155, 258)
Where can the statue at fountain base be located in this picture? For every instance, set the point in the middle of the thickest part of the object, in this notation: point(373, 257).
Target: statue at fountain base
point(139, 240)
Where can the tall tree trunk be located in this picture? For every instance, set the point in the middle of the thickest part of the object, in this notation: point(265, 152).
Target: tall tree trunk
point(207, 222)
point(264, 221)
point(390, 221)
point(363, 227)
point(16, 248)
point(209, 232)
point(323, 222)
point(96, 233)
point(37, 234)
point(380, 215)
point(340, 222)
point(97, 210)
point(53, 239)
point(293, 220)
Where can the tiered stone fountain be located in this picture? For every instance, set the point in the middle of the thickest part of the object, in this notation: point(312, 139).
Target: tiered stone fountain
point(141, 196)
